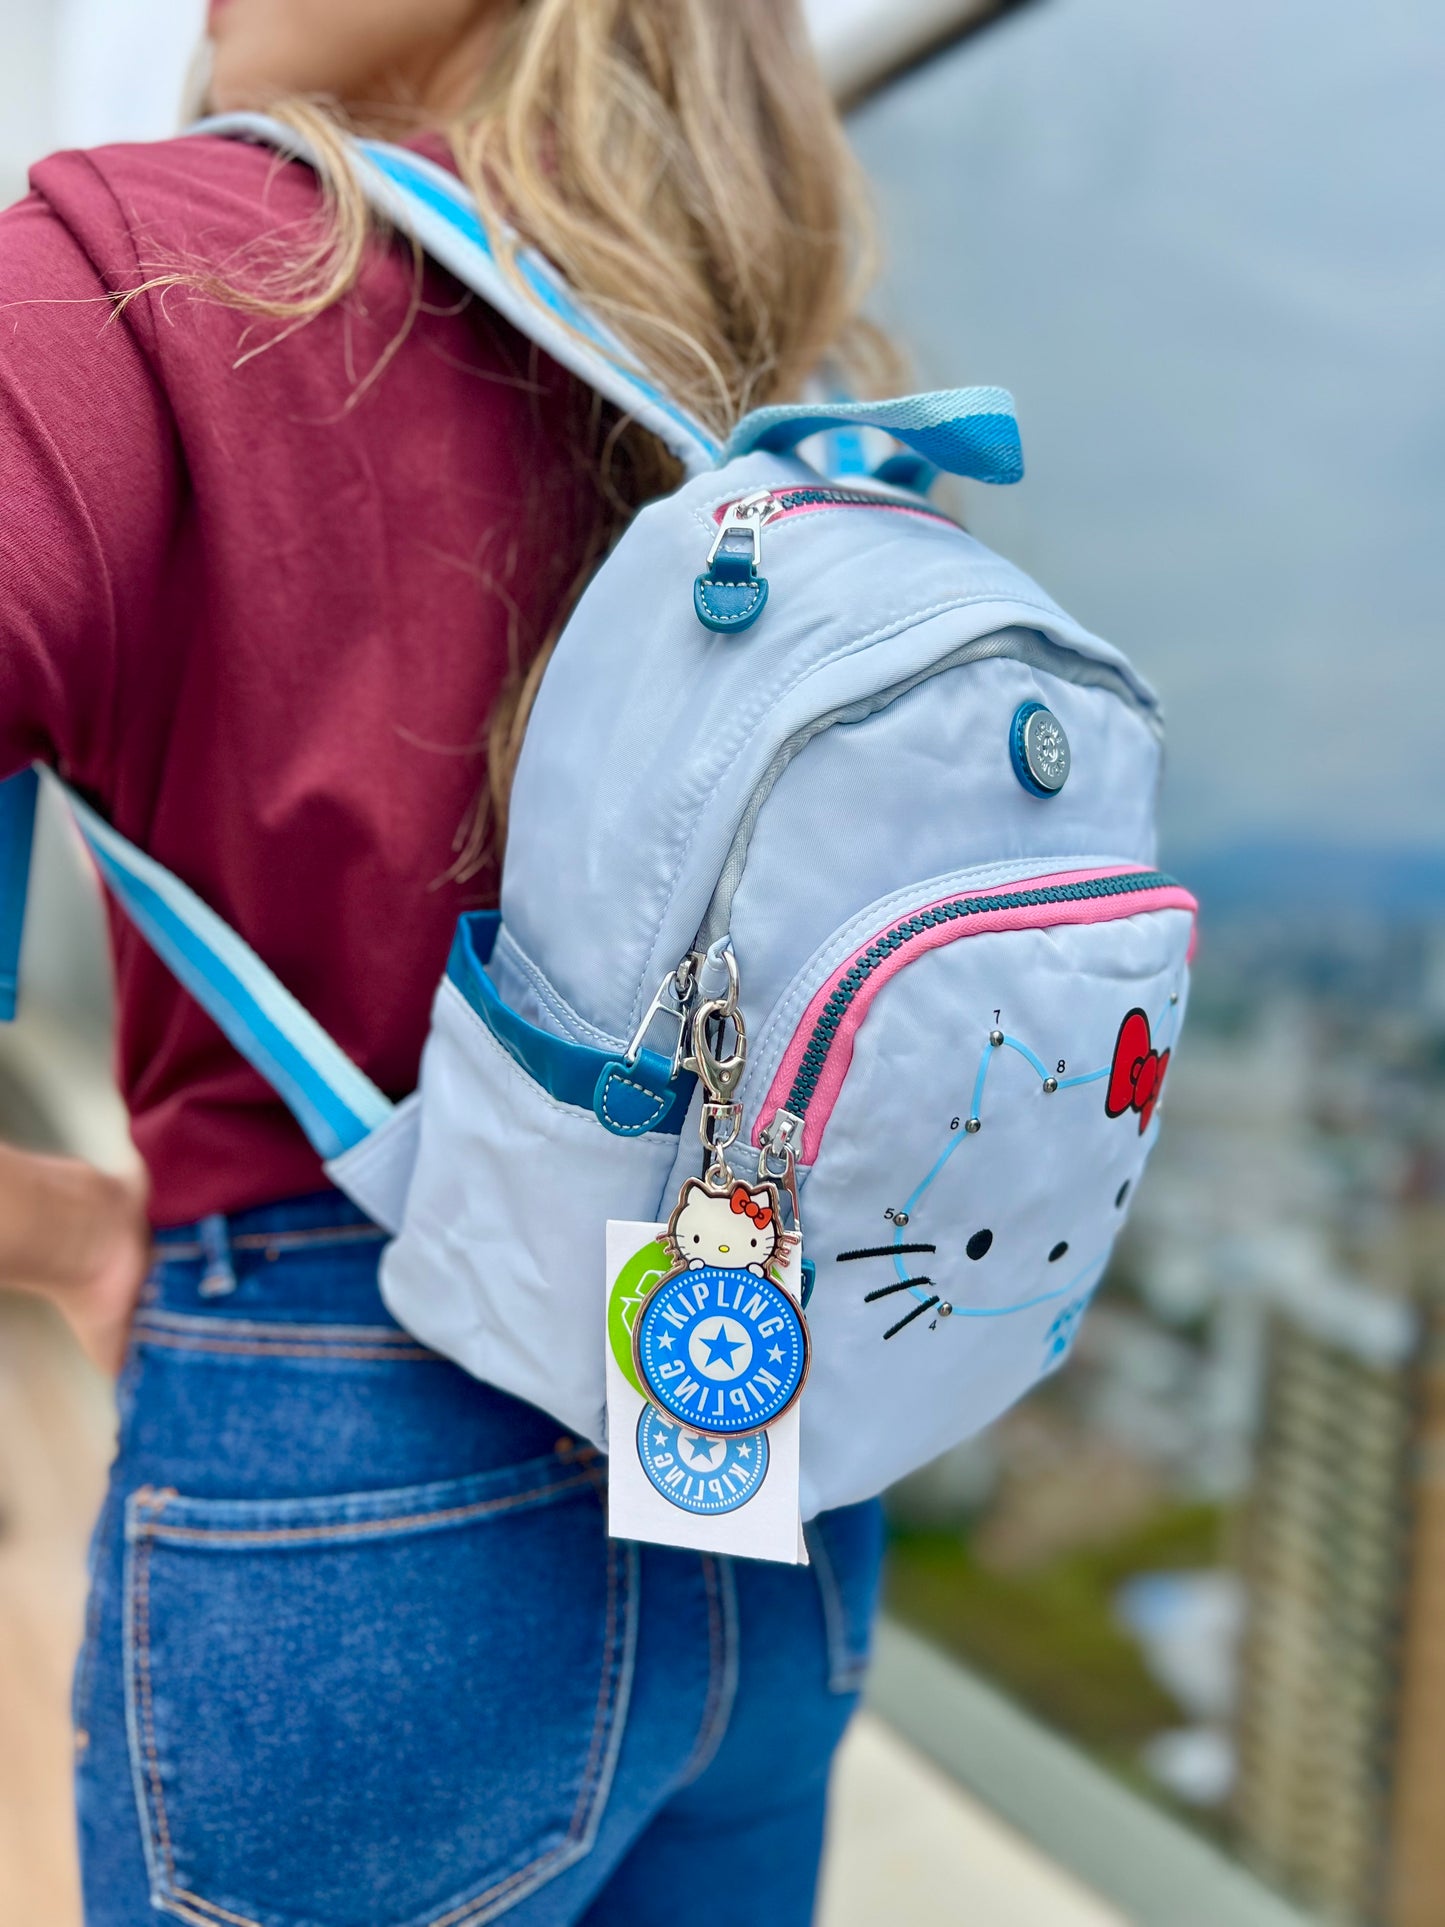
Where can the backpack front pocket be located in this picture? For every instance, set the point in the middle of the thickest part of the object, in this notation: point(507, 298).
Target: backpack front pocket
point(974, 1081)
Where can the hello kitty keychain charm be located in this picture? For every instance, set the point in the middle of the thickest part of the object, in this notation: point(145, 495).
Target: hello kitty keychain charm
point(718, 1343)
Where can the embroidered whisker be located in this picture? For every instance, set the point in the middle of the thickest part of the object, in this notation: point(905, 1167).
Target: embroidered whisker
point(908, 1317)
point(885, 1291)
point(880, 1251)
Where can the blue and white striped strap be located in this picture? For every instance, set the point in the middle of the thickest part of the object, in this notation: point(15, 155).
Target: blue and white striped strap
point(967, 431)
point(335, 1104)
point(432, 205)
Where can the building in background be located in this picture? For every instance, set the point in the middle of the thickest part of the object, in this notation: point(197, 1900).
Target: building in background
point(1342, 1696)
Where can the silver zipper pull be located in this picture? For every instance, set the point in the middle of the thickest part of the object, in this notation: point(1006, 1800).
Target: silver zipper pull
point(730, 593)
point(777, 1162)
point(747, 517)
point(778, 1139)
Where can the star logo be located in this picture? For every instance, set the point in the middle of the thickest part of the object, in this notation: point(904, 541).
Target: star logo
point(720, 1346)
point(720, 1349)
point(702, 1454)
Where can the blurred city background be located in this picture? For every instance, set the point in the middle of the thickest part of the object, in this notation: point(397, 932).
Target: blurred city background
point(1203, 246)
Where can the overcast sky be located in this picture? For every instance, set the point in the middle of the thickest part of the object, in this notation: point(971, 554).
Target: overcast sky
point(1204, 244)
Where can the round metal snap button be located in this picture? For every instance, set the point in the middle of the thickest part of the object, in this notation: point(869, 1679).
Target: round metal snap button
point(1040, 750)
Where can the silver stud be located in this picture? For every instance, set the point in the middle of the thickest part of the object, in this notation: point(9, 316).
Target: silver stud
point(1174, 999)
point(1051, 1084)
point(1040, 750)
point(900, 1217)
point(995, 1037)
point(973, 1126)
point(945, 1310)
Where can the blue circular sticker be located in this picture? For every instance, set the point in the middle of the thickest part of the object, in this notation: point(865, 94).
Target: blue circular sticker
point(725, 1351)
point(698, 1473)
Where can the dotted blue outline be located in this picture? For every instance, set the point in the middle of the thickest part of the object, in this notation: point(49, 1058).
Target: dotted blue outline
point(1169, 1017)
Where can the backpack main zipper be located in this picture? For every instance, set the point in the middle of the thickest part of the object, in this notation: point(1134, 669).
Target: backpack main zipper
point(909, 930)
point(730, 593)
point(768, 504)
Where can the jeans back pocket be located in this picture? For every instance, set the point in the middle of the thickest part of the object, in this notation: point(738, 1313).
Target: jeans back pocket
point(363, 1711)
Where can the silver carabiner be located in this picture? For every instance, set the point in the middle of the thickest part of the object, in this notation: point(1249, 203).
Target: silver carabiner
point(720, 1074)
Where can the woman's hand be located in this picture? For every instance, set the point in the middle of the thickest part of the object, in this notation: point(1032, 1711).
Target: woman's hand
point(79, 1237)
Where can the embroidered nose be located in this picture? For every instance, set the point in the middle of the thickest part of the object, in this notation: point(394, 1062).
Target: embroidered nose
point(724, 1248)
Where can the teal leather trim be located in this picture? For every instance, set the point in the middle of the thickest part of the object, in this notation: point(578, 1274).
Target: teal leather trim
point(17, 829)
point(627, 1099)
point(729, 602)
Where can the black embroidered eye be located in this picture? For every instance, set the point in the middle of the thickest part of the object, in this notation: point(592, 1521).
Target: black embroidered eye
point(1058, 1251)
point(978, 1244)
point(1120, 1195)
point(697, 1237)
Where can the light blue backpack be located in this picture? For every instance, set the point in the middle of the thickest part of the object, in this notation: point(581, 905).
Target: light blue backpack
point(824, 812)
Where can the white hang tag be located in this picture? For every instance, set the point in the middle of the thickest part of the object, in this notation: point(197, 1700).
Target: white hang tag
point(674, 1487)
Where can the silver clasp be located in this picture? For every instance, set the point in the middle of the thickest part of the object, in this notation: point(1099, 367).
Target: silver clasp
point(673, 998)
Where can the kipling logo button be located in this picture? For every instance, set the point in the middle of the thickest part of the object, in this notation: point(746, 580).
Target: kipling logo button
point(1039, 750)
point(722, 1350)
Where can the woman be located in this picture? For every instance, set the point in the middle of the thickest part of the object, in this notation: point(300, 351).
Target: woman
point(286, 534)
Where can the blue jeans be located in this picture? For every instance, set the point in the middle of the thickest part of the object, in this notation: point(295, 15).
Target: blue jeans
point(361, 1654)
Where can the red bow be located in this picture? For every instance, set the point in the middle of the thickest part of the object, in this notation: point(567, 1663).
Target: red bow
point(1137, 1076)
point(742, 1203)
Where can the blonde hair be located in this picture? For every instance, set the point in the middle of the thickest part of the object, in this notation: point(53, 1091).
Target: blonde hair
point(682, 163)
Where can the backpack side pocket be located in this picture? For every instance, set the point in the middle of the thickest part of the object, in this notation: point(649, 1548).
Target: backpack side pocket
point(528, 1143)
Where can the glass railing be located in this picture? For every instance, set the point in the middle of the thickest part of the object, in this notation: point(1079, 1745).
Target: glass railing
point(1153, 1870)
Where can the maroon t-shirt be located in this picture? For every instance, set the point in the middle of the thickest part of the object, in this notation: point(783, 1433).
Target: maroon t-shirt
point(258, 606)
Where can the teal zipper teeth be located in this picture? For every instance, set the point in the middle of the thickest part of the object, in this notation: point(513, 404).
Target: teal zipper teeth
point(847, 991)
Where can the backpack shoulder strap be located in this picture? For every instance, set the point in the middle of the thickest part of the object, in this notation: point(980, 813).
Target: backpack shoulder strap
point(968, 431)
point(432, 205)
point(334, 1102)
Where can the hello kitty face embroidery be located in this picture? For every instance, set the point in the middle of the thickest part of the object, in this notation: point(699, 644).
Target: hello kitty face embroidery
point(733, 1230)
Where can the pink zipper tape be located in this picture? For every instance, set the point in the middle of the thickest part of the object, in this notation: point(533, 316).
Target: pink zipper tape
point(816, 508)
point(1027, 916)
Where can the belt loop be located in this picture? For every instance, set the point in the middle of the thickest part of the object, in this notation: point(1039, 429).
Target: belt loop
point(219, 1277)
